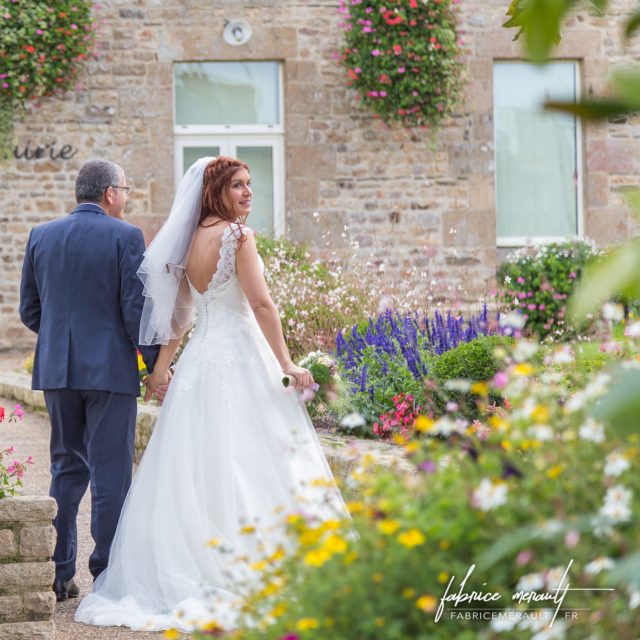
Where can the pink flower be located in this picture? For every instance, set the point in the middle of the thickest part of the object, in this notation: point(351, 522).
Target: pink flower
point(524, 557)
point(39, 32)
point(383, 94)
point(500, 380)
point(18, 412)
point(531, 307)
point(16, 469)
point(401, 69)
point(572, 538)
point(375, 52)
point(520, 280)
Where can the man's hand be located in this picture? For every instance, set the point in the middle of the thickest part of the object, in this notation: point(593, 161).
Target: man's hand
point(153, 384)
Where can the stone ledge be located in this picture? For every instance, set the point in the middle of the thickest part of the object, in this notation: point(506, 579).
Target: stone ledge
point(342, 452)
point(27, 509)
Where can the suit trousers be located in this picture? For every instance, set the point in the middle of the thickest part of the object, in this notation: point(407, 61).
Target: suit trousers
point(92, 438)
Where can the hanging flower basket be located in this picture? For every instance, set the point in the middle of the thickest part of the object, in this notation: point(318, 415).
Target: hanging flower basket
point(404, 58)
point(42, 46)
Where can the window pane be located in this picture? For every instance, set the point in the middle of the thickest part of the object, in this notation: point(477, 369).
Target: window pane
point(535, 150)
point(260, 161)
point(191, 154)
point(227, 93)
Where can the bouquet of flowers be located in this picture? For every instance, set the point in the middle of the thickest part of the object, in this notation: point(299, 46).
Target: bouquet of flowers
point(324, 370)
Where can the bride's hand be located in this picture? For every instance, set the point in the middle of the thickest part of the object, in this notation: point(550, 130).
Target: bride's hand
point(302, 377)
point(153, 381)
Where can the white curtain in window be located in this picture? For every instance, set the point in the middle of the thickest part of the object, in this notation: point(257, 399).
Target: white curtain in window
point(535, 150)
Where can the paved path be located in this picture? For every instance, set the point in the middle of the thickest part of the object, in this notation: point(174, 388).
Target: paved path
point(31, 438)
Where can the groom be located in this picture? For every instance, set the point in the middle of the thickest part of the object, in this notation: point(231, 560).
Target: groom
point(80, 293)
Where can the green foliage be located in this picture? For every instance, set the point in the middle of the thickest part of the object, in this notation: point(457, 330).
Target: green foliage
point(473, 361)
point(403, 58)
point(42, 46)
point(537, 282)
point(532, 497)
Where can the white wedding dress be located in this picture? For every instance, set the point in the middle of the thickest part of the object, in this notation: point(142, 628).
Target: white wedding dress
point(232, 448)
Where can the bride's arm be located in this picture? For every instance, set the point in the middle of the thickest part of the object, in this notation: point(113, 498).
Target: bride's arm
point(255, 289)
point(160, 373)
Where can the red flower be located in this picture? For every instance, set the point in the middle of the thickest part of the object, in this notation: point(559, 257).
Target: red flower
point(397, 49)
point(413, 4)
point(352, 74)
point(30, 49)
point(1, 414)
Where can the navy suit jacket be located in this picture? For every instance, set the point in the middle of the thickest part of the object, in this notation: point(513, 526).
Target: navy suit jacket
point(80, 293)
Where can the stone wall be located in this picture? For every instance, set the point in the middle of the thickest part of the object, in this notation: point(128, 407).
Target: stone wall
point(397, 196)
point(27, 540)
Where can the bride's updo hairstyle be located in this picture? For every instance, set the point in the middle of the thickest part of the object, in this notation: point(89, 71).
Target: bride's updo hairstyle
point(217, 180)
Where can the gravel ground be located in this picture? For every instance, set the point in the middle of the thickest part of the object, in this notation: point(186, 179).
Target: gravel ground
point(31, 438)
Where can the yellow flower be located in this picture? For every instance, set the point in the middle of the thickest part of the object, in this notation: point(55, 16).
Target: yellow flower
point(258, 566)
point(171, 634)
point(316, 558)
point(555, 471)
point(293, 518)
point(426, 603)
point(355, 507)
point(480, 388)
point(388, 527)
point(278, 611)
point(335, 544)
point(310, 536)
point(523, 369)
point(411, 538)
point(412, 447)
point(278, 554)
point(498, 423)
point(214, 542)
point(330, 525)
point(213, 627)
point(444, 544)
point(506, 445)
point(307, 623)
point(423, 424)
point(350, 557)
point(141, 365)
point(379, 622)
point(541, 414)
point(443, 576)
point(398, 439)
point(377, 577)
point(248, 529)
point(408, 593)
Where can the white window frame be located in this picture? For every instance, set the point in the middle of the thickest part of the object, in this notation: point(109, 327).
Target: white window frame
point(229, 136)
point(228, 145)
point(523, 241)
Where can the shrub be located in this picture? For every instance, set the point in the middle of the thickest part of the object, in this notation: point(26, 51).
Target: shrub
point(537, 282)
point(314, 300)
point(404, 59)
point(471, 362)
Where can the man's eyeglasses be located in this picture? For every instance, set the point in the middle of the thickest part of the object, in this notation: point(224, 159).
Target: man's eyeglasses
point(125, 189)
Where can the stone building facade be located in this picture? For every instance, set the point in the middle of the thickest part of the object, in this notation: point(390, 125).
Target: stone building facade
point(402, 197)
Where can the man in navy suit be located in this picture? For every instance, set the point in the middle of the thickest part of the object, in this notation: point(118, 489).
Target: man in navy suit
point(80, 293)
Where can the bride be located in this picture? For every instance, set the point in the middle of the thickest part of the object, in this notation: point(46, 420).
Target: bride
point(232, 450)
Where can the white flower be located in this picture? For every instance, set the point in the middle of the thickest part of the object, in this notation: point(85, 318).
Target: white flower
point(615, 464)
point(599, 564)
point(563, 355)
point(506, 621)
point(444, 427)
point(597, 386)
point(507, 279)
point(457, 384)
point(592, 430)
point(554, 577)
point(386, 302)
point(513, 320)
point(557, 632)
point(613, 312)
point(550, 528)
point(542, 432)
point(531, 582)
point(352, 421)
point(634, 599)
point(524, 350)
point(616, 507)
point(489, 495)
point(633, 330)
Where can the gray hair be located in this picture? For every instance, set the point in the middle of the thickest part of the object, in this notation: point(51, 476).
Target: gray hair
point(94, 177)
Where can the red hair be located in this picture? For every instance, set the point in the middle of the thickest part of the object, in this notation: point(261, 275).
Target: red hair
point(217, 179)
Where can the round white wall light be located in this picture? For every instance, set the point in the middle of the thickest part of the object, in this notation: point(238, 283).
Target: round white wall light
point(236, 32)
